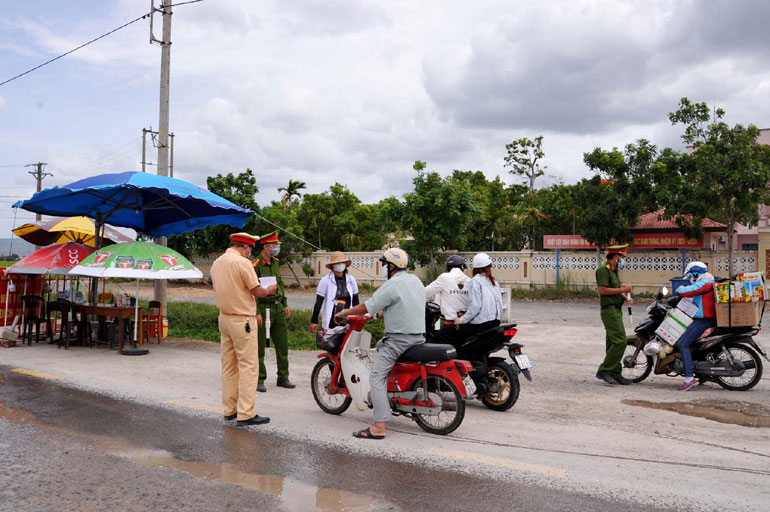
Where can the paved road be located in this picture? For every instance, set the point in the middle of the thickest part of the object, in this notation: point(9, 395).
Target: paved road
point(574, 442)
point(65, 449)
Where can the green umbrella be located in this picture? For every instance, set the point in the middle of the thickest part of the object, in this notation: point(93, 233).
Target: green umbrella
point(139, 260)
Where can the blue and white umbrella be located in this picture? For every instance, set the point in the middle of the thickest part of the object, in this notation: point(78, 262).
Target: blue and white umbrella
point(151, 204)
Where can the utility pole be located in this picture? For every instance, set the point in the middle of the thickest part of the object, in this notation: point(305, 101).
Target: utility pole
point(39, 175)
point(144, 147)
point(161, 290)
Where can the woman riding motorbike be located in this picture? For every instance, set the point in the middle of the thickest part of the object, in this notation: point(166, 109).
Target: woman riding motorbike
point(702, 293)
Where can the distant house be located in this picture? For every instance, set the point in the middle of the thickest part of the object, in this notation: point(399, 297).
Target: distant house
point(654, 227)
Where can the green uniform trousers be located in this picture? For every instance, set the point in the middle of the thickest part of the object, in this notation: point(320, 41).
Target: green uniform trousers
point(279, 338)
point(612, 318)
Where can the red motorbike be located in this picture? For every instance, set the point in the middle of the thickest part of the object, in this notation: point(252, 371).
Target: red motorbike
point(427, 383)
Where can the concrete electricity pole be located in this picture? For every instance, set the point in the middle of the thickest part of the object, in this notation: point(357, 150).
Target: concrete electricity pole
point(39, 175)
point(161, 291)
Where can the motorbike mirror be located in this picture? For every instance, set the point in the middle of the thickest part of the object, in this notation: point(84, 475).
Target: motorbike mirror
point(664, 291)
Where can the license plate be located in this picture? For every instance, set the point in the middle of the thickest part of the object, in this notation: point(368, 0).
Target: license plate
point(470, 387)
point(523, 361)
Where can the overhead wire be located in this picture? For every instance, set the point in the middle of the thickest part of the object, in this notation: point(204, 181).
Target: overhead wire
point(143, 16)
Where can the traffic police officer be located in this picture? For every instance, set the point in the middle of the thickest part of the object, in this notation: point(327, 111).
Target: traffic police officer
point(268, 265)
point(235, 287)
point(611, 300)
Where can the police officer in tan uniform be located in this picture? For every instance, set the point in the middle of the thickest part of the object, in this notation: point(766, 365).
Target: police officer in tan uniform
point(235, 286)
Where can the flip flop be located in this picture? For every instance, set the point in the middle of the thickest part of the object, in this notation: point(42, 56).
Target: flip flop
point(366, 434)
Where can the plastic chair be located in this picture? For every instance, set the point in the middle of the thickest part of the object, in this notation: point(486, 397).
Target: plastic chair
point(33, 314)
point(69, 320)
point(55, 311)
point(152, 322)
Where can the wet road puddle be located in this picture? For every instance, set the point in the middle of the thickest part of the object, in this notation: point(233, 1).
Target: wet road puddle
point(745, 414)
point(295, 496)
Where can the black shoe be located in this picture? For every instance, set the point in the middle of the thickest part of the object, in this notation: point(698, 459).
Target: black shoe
point(256, 420)
point(261, 387)
point(231, 417)
point(286, 383)
point(621, 380)
point(607, 378)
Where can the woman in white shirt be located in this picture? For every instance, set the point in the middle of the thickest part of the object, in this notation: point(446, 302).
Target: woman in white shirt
point(486, 299)
point(336, 291)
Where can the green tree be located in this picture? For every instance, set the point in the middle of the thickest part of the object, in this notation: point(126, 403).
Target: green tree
point(290, 191)
point(240, 189)
point(438, 213)
point(726, 174)
point(523, 158)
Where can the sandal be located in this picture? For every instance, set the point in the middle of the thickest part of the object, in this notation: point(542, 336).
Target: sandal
point(366, 434)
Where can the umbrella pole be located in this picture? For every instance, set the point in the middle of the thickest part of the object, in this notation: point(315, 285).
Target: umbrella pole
point(136, 309)
point(133, 350)
point(23, 307)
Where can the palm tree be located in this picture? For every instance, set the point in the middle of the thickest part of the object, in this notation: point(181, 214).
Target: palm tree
point(291, 190)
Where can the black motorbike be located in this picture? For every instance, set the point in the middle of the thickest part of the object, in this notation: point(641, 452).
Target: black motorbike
point(496, 379)
point(727, 355)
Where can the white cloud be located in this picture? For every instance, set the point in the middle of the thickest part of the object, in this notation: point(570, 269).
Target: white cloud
point(356, 91)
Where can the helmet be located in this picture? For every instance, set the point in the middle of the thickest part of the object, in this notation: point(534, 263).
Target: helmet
point(481, 260)
point(652, 348)
point(398, 257)
point(696, 268)
point(454, 261)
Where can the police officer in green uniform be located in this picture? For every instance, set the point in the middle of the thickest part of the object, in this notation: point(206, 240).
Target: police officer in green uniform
point(611, 292)
point(267, 265)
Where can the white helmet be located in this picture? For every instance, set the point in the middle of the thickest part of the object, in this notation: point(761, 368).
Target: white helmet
point(481, 260)
point(696, 268)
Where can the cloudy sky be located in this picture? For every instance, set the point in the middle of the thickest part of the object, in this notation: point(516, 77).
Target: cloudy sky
point(355, 91)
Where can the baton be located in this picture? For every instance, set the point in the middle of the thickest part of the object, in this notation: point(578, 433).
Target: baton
point(267, 327)
point(630, 314)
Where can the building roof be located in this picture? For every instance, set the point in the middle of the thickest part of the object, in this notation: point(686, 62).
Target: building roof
point(655, 222)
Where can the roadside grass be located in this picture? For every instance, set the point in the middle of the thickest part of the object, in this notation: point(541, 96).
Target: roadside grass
point(200, 322)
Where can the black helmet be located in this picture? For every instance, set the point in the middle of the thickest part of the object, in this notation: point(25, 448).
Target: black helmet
point(455, 261)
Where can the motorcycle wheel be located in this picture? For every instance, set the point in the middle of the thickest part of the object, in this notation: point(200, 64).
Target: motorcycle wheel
point(750, 377)
point(452, 409)
point(508, 390)
point(319, 383)
point(638, 368)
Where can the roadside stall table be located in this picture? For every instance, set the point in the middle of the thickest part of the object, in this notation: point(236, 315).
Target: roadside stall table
point(84, 311)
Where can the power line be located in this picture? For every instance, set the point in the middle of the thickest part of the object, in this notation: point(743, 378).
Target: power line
point(86, 165)
point(75, 49)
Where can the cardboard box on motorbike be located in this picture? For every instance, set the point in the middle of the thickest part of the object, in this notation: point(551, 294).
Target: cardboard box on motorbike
point(740, 303)
point(672, 328)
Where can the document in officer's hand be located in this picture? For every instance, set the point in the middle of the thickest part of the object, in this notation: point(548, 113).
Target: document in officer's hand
point(267, 281)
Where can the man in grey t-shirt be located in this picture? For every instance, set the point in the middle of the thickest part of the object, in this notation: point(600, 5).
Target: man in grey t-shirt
point(402, 301)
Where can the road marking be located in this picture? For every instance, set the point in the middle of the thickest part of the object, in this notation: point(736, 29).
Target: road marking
point(497, 461)
point(200, 407)
point(35, 374)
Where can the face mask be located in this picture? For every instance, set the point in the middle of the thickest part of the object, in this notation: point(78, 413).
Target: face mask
point(384, 272)
point(275, 249)
point(622, 263)
point(339, 267)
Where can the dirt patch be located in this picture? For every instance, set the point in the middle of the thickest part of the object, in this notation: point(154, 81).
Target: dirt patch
point(745, 414)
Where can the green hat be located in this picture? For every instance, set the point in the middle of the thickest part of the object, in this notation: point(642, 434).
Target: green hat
point(616, 249)
point(270, 238)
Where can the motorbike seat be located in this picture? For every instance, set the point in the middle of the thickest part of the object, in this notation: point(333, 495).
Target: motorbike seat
point(427, 352)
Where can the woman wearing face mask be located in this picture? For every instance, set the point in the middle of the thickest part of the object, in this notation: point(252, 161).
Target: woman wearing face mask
point(337, 290)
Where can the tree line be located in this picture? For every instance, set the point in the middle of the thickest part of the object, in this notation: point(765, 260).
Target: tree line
point(723, 175)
